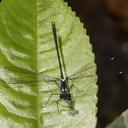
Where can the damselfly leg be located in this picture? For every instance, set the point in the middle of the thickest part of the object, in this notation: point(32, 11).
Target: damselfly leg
point(64, 82)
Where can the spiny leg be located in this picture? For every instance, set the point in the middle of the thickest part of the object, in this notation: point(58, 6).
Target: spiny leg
point(50, 98)
point(60, 104)
point(58, 85)
point(52, 93)
point(72, 85)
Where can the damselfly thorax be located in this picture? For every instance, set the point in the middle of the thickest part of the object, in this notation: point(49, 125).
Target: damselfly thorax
point(64, 86)
point(65, 91)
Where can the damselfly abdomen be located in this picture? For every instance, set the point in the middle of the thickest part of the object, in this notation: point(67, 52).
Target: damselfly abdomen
point(67, 89)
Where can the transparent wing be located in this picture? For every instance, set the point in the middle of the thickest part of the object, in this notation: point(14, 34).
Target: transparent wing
point(83, 72)
point(13, 74)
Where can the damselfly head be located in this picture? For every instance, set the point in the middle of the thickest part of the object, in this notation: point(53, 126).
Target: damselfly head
point(65, 96)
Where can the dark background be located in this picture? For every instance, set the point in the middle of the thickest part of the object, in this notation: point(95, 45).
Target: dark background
point(107, 24)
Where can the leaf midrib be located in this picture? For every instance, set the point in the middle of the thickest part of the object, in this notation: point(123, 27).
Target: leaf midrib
point(36, 39)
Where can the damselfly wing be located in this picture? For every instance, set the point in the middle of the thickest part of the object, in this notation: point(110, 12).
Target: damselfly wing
point(64, 82)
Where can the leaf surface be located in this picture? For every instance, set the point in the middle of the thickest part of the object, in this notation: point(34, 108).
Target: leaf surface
point(28, 60)
point(120, 122)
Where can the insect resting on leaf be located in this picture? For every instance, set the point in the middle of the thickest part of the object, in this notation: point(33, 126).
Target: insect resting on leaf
point(62, 82)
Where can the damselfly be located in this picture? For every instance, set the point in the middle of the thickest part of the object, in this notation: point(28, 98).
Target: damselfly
point(65, 83)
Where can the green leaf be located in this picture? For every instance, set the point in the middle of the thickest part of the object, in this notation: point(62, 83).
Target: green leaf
point(27, 59)
point(120, 122)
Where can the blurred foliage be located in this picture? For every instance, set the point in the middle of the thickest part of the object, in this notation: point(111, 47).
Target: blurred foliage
point(107, 25)
point(120, 122)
